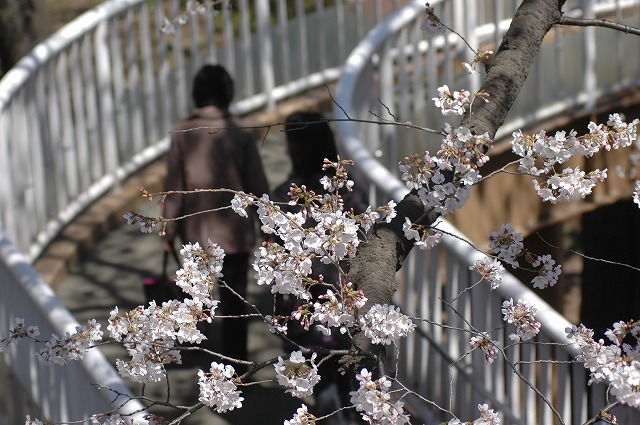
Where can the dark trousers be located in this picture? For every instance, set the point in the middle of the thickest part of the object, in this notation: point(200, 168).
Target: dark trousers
point(233, 331)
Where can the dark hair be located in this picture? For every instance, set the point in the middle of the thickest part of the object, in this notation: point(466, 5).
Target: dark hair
point(212, 85)
point(310, 140)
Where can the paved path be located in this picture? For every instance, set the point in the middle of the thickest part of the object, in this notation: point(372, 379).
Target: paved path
point(110, 273)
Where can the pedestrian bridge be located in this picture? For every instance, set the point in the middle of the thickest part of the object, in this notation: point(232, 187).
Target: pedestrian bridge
point(93, 104)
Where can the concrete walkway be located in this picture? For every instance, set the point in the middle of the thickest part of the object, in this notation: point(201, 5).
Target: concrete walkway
point(109, 272)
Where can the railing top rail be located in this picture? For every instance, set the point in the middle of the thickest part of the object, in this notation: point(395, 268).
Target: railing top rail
point(379, 175)
point(60, 40)
point(553, 323)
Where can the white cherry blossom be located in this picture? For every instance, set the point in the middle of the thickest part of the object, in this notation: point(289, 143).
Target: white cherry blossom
point(384, 324)
point(547, 274)
point(72, 346)
point(507, 244)
point(217, 389)
point(522, 315)
point(17, 332)
point(490, 270)
point(488, 346)
point(297, 374)
point(455, 103)
point(373, 400)
point(301, 417)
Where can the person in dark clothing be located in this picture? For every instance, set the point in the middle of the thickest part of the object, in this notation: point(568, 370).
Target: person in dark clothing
point(309, 141)
point(227, 158)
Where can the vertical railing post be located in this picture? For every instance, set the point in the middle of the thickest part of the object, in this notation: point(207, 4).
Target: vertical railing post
point(589, 55)
point(246, 49)
point(266, 51)
point(107, 126)
point(470, 24)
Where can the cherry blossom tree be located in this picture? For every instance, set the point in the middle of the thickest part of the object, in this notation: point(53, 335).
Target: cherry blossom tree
point(368, 249)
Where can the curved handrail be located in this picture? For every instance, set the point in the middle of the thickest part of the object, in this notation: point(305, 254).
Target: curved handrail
point(391, 66)
point(62, 39)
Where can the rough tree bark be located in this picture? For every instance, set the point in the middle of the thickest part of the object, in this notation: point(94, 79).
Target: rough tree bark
point(373, 269)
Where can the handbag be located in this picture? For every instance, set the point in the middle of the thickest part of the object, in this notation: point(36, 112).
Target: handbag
point(160, 288)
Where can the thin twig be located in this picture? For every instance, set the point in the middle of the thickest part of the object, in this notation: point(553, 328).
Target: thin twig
point(614, 263)
point(576, 22)
point(327, 120)
point(336, 103)
point(601, 415)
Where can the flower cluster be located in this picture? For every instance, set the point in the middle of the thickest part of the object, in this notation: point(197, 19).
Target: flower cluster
point(337, 310)
point(18, 332)
point(301, 417)
point(287, 267)
point(193, 7)
point(487, 417)
point(284, 271)
point(571, 184)
point(455, 103)
point(636, 193)
point(443, 181)
point(297, 374)
point(384, 324)
point(482, 56)
point(507, 245)
point(389, 211)
point(540, 153)
point(488, 346)
point(321, 231)
point(522, 315)
point(240, 203)
point(368, 218)
point(617, 364)
point(200, 269)
point(73, 346)
point(425, 237)
point(547, 274)
point(490, 270)
point(150, 335)
point(340, 177)
point(374, 402)
point(616, 134)
point(146, 224)
point(217, 388)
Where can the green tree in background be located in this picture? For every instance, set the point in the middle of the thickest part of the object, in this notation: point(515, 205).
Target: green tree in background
point(21, 27)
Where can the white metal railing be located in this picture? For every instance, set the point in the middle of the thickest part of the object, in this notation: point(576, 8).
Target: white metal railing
point(59, 393)
point(94, 102)
point(398, 67)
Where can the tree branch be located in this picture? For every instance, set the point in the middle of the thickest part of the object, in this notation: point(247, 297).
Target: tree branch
point(374, 268)
point(511, 65)
point(597, 23)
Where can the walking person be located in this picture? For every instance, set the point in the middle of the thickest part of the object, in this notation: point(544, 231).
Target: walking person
point(210, 149)
point(309, 140)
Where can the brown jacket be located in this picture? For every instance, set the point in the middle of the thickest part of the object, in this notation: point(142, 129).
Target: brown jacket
point(224, 155)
